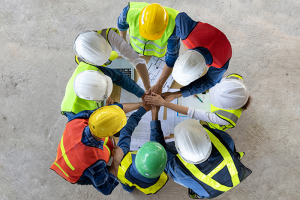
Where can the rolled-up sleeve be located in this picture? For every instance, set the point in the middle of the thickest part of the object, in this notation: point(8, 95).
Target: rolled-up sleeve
point(173, 48)
point(100, 178)
point(122, 23)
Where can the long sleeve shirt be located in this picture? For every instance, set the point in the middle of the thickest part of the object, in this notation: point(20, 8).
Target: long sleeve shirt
point(122, 80)
point(97, 174)
point(173, 41)
point(205, 116)
point(127, 130)
point(119, 45)
point(185, 26)
point(174, 169)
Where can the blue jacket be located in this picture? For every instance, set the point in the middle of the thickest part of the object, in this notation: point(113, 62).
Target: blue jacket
point(124, 144)
point(185, 25)
point(97, 174)
point(173, 167)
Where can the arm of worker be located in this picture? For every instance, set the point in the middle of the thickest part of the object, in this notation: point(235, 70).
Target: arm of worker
point(192, 113)
point(156, 132)
point(100, 177)
point(210, 79)
point(122, 23)
point(117, 158)
point(171, 56)
point(122, 80)
point(127, 130)
point(126, 51)
point(128, 107)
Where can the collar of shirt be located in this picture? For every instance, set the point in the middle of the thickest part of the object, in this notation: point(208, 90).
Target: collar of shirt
point(89, 140)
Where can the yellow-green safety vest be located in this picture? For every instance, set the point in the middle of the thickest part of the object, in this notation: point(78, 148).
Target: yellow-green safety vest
point(113, 55)
point(141, 45)
point(230, 116)
point(228, 161)
point(124, 166)
point(71, 102)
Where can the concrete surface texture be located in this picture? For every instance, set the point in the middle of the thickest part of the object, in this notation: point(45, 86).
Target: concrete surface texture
point(37, 61)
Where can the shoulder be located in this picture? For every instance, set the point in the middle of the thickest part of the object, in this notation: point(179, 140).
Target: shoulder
point(184, 25)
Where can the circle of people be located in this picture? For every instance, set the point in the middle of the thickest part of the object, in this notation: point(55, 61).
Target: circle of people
point(202, 156)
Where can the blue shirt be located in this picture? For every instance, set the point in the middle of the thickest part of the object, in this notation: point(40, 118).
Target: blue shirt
point(97, 174)
point(173, 168)
point(122, 80)
point(173, 41)
point(124, 144)
point(185, 26)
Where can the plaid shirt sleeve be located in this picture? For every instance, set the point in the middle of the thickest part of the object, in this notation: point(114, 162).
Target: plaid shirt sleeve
point(98, 176)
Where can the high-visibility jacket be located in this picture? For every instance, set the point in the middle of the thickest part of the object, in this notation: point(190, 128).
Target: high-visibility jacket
point(147, 188)
point(71, 102)
point(221, 172)
point(230, 116)
point(141, 45)
point(113, 55)
point(73, 157)
point(211, 38)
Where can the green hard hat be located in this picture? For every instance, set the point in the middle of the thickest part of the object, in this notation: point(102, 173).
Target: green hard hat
point(151, 160)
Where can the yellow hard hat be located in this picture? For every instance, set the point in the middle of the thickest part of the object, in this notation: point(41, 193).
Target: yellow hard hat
point(153, 21)
point(107, 120)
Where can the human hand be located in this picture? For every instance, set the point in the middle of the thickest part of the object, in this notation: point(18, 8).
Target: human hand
point(155, 99)
point(168, 96)
point(156, 89)
point(145, 104)
point(109, 101)
point(117, 154)
point(154, 112)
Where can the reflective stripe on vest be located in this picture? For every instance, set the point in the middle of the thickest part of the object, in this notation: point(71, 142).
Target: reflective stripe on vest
point(141, 45)
point(73, 157)
point(124, 166)
point(113, 55)
point(228, 162)
point(72, 103)
point(231, 116)
point(211, 38)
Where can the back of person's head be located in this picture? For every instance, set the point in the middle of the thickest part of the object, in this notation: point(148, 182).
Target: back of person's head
point(230, 94)
point(151, 160)
point(192, 141)
point(107, 121)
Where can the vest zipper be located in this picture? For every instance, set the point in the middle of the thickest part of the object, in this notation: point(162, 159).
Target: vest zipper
point(145, 47)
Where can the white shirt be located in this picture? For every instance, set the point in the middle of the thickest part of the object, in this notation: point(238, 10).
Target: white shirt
point(205, 116)
point(119, 45)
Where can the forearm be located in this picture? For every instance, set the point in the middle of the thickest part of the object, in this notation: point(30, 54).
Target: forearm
point(154, 116)
point(127, 130)
point(143, 72)
point(113, 169)
point(123, 80)
point(167, 71)
point(156, 133)
point(123, 34)
point(177, 108)
point(128, 107)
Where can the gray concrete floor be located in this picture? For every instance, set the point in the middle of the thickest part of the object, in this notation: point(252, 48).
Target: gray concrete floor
point(37, 60)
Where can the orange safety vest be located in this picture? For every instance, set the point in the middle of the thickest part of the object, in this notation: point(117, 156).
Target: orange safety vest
point(211, 38)
point(73, 157)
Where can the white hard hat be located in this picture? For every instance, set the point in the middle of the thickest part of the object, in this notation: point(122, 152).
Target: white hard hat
point(229, 94)
point(92, 85)
point(192, 141)
point(188, 67)
point(92, 47)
